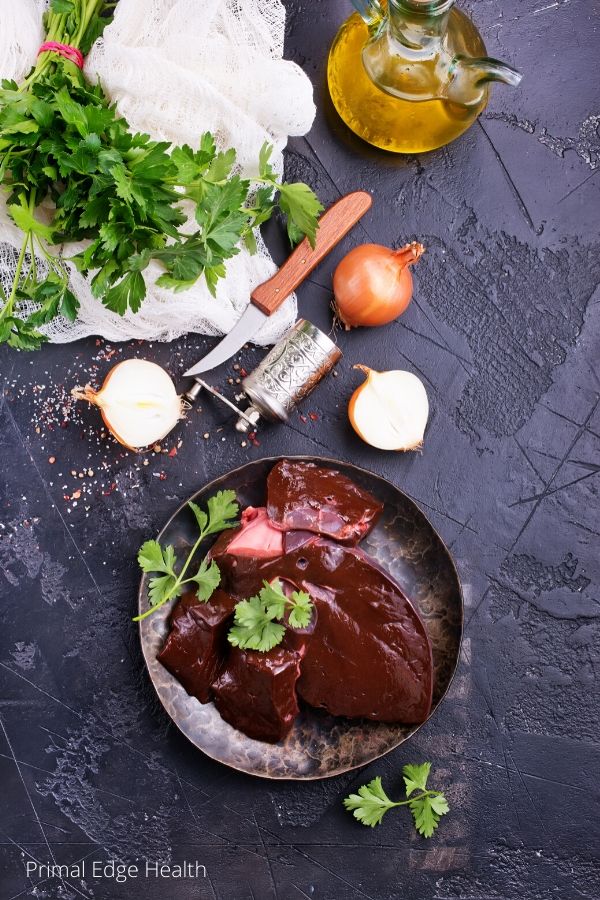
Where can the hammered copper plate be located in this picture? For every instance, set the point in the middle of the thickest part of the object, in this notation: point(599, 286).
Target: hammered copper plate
point(320, 745)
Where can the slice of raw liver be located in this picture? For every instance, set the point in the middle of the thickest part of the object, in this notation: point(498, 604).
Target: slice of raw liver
point(195, 649)
point(370, 655)
point(256, 692)
point(302, 496)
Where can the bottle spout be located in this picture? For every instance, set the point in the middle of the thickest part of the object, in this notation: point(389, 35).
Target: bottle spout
point(493, 70)
point(469, 77)
point(370, 10)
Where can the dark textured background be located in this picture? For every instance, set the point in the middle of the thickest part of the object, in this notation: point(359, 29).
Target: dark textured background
point(504, 332)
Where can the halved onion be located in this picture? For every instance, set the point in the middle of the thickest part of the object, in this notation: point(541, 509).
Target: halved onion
point(138, 402)
point(390, 410)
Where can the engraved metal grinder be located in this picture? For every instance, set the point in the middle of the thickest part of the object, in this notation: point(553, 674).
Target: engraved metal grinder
point(288, 374)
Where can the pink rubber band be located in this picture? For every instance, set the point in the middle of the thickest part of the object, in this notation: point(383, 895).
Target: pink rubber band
point(70, 53)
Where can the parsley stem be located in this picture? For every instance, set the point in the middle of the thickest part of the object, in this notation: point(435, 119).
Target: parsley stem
point(33, 267)
point(11, 300)
point(178, 582)
point(416, 797)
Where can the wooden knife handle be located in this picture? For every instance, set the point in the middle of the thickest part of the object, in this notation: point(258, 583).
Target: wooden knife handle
point(334, 224)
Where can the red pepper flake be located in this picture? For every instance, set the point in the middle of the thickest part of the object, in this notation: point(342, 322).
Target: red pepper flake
point(112, 488)
point(162, 476)
point(253, 440)
point(243, 372)
point(303, 418)
point(173, 452)
point(314, 417)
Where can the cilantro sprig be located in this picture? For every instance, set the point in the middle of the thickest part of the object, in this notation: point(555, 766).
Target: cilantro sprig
point(258, 621)
point(427, 807)
point(221, 514)
point(73, 171)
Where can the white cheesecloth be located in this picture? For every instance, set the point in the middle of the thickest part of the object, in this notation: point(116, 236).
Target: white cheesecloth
point(175, 69)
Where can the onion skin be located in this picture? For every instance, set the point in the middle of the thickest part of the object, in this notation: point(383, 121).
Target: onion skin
point(373, 285)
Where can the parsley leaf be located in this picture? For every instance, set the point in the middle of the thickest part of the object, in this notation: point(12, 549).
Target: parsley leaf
point(301, 611)
point(152, 558)
point(427, 811)
point(128, 293)
point(222, 510)
point(371, 803)
point(296, 201)
point(161, 588)
point(207, 579)
point(255, 625)
point(25, 220)
point(415, 777)
point(301, 207)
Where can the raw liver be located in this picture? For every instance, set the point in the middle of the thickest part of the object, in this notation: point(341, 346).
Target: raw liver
point(304, 497)
point(195, 649)
point(370, 655)
point(256, 692)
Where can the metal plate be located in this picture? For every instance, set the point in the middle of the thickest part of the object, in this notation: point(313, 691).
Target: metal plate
point(319, 745)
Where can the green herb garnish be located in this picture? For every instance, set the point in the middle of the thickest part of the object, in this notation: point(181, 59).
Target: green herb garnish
point(257, 621)
point(427, 807)
point(222, 510)
point(63, 146)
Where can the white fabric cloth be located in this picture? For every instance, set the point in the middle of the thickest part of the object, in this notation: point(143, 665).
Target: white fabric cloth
point(177, 68)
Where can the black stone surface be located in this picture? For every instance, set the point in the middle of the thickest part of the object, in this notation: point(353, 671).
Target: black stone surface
point(504, 332)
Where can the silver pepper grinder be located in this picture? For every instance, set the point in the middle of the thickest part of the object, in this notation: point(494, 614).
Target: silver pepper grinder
point(287, 374)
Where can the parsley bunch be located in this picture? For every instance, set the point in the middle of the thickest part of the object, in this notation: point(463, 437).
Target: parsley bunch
point(63, 146)
point(427, 807)
point(258, 621)
point(222, 512)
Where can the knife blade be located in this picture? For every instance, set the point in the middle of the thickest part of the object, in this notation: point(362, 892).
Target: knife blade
point(334, 224)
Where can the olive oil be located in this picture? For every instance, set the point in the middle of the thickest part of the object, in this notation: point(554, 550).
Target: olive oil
point(425, 84)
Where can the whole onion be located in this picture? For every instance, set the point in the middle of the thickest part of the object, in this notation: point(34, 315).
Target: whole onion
point(373, 285)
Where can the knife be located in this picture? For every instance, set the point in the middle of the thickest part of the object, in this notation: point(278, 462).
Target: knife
point(334, 224)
